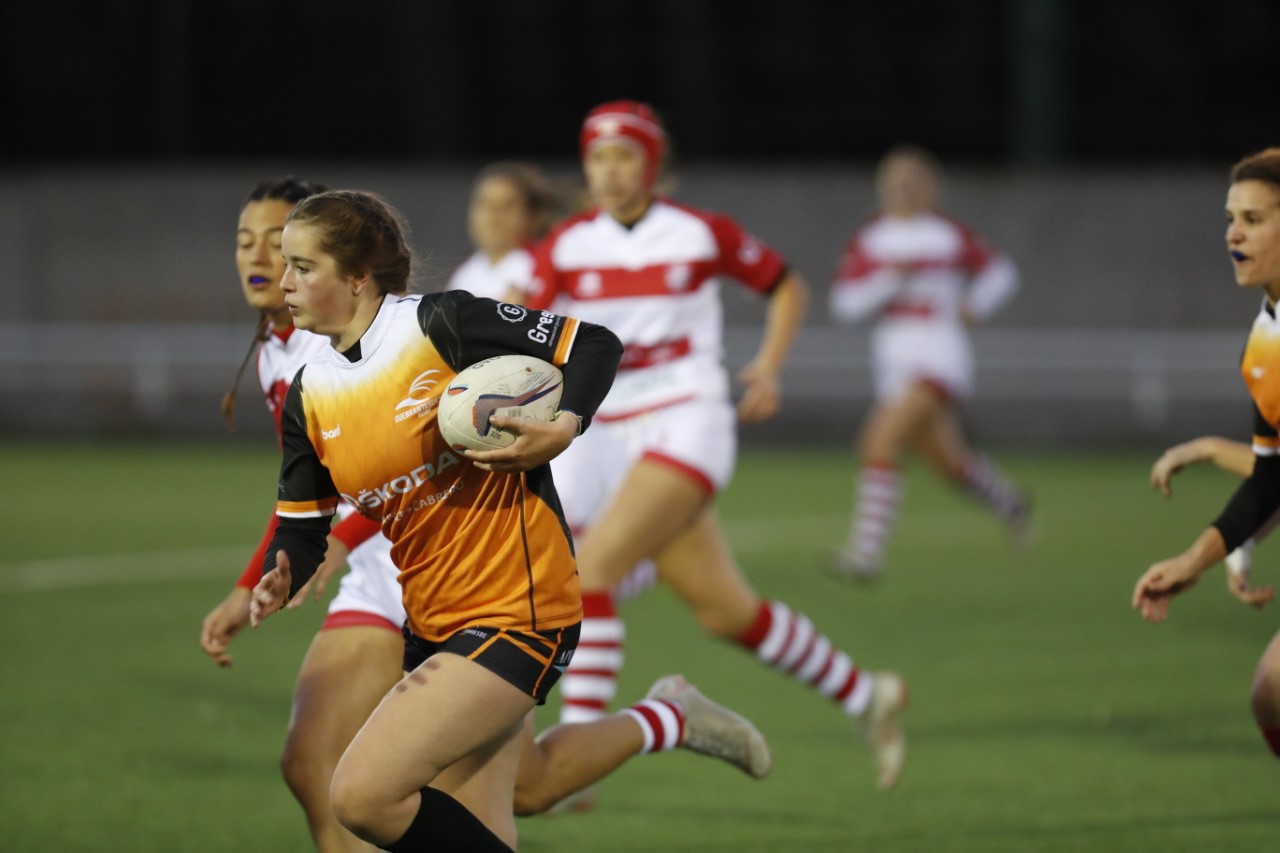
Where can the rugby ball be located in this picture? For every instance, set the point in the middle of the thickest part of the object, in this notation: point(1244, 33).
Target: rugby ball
point(518, 386)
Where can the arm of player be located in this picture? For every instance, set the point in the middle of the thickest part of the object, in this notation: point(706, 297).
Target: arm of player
point(224, 622)
point(761, 377)
point(306, 503)
point(992, 286)
point(346, 536)
point(1167, 578)
point(589, 369)
point(1234, 457)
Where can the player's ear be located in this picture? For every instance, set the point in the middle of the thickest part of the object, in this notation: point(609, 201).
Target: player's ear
point(360, 283)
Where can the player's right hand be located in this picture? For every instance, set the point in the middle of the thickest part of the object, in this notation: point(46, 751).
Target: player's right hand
point(272, 591)
point(223, 623)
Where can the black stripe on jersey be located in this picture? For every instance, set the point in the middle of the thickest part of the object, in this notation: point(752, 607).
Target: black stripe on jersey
point(528, 559)
point(302, 478)
point(538, 480)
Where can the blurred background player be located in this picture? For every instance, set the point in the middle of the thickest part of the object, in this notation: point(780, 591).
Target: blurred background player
point(346, 672)
point(355, 656)
point(926, 278)
point(643, 481)
point(512, 205)
point(1253, 243)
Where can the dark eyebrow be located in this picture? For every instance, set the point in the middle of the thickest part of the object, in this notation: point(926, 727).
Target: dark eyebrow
point(295, 258)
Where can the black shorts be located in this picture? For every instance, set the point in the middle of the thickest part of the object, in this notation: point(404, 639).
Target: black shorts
point(531, 660)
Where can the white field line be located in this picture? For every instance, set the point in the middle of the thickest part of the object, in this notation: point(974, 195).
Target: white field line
point(746, 536)
point(189, 564)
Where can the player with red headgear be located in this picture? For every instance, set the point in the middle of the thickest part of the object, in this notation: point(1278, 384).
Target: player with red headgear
point(642, 482)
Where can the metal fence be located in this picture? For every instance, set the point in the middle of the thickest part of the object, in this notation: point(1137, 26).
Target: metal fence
point(1035, 387)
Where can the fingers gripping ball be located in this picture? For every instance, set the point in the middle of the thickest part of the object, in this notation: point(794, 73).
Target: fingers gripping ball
point(518, 386)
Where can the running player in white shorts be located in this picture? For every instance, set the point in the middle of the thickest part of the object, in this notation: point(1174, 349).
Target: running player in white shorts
point(926, 278)
point(642, 482)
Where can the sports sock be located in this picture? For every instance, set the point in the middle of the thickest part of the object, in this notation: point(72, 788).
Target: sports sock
point(982, 479)
point(443, 823)
point(591, 680)
point(877, 495)
point(661, 721)
point(788, 642)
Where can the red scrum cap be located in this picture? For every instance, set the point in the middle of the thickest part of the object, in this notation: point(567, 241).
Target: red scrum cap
point(630, 122)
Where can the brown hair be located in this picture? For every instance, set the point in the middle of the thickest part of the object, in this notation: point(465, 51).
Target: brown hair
point(363, 233)
point(911, 151)
point(1262, 166)
point(288, 189)
point(543, 203)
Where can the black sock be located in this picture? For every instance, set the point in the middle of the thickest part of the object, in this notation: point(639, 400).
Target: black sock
point(443, 824)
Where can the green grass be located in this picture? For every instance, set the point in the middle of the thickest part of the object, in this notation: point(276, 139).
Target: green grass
point(1045, 715)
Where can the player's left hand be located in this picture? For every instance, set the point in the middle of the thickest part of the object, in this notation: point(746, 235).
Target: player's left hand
point(537, 443)
point(1160, 583)
point(762, 395)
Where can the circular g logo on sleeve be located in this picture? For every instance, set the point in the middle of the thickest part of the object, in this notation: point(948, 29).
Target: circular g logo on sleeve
point(512, 313)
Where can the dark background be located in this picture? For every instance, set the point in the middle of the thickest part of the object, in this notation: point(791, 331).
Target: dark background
point(980, 81)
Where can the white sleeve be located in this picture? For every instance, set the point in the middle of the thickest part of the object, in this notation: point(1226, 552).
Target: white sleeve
point(992, 287)
point(856, 299)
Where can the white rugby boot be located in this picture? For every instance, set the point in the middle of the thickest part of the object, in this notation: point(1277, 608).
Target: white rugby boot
point(880, 727)
point(712, 729)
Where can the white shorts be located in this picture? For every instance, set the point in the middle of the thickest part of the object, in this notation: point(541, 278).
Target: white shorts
point(369, 593)
point(698, 437)
point(904, 353)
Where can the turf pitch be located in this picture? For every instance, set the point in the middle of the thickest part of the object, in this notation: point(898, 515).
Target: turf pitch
point(1045, 715)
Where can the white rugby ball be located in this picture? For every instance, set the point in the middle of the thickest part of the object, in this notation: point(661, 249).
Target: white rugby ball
point(518, 386)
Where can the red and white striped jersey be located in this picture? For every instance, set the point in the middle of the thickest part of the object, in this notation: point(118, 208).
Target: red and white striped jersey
point(655, 284)
point(479, 277)
point(280, 358)
point(928, 267)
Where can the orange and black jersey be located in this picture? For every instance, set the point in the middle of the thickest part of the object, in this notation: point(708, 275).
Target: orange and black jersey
point(473, 547)
point(1258, 497)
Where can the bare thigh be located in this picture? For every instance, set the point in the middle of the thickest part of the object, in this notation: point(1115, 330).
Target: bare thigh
point(941, 441)
point(450, 723)
point(895, 424)
point(700, 568)
point(344, 676)
point(655, 504)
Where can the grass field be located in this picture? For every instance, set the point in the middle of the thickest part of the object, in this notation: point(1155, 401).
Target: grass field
point(1045, 715)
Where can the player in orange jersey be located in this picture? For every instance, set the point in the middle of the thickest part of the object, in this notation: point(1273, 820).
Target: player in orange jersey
point(1253, 243)
point(357, 655)
point(924, 278)
point(489, 581)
